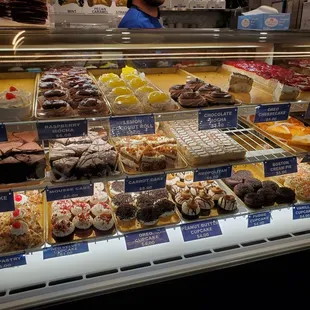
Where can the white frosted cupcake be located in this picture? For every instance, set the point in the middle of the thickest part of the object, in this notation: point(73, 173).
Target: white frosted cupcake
point(104, 222)
point(62, 204)
point(81, 207)
point(83, 221)
point(61, 214)
point(101, 208)
point(63, 229)
point(98, 198)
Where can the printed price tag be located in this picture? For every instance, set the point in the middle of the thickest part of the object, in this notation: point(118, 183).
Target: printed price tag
point(12, 261)
point(201, 230)
point(272, 113)
point(3, 133)
point(259, 219)
point(212, 173)
point(146, 238)
point(65, 250)
point(147, 183)
point(63, 129)
point(7, 201)
point(221, 118)
point(280, 166)
point(132, 125)
point(301, 211)
point(68, 192)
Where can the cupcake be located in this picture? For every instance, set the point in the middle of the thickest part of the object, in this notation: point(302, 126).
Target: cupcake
point(255, 183)
point(182, 197)
point(171, 180)
point(63, 230)
point(190, 210)
point(195, 188)
point(122, 199)
point(158, 194)
point(20, 200)
point(269, 195)
point(285, 195)
point(216, 193)
point(126, 215)
point(177, 90)
point(270, 185)
point(227, 203)
point(117, 187)
point(99, 187)
point(231, 182)
point(165, 209)
point(83, 221)
point(61, 214)
point(104, 222)
point(243, 189)
point(188, 179)
point(254, 200)
point(62, 204)
point(148, 216)
point(145, 200)
point(205, 203)
point(100, 208)
point(177, 188)
point(242, 175)
point(99, 197)
point(194, 84)
point(80, 207)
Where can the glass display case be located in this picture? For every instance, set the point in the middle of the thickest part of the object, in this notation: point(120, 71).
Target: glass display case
point(129, 157)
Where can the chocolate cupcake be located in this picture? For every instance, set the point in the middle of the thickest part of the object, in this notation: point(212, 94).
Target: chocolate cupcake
point(207, 88)
point(269, 195)
point(227, 203)
point(165, 209)
point(231, 182)
point(126, 215)
point(158, 194)
point(194, 84)
point(183, 196)
point(192, 100)
point(148, 216)
point(243, 189)
point(122, 199)
point(145, 200)
point(219, 98)
point(242, 175)
point(256, 184)
point(254, 200)
point(270, 185)
point(285, 195)
point(205, 203)
point(190, 210)
point(177, 90)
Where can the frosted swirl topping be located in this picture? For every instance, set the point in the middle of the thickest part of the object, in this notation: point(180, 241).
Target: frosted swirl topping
point(207, 88)
point(14, 99)
point(192, 99)
point(19, 228)
point(221, 94)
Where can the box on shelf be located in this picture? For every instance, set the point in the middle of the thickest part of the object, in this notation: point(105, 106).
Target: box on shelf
point(279, 21)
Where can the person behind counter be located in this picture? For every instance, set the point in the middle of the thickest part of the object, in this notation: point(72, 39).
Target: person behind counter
point(142, 14)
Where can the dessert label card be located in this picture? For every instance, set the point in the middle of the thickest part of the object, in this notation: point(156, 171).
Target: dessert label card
point(62, 129)
point(259, 219)
point(65, 250)
point(68, 192)
point(12, 261)
point(3, 133)
point(147, 183)
point(272, 113)
point(6, 201)
point(301, 211)
point(132, 125)
point(280, 166)
point(219, 118)
point(201, 230)
point(146, 238)
point(212, 173)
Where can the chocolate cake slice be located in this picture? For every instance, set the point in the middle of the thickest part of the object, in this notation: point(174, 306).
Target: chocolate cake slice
point(64, 167)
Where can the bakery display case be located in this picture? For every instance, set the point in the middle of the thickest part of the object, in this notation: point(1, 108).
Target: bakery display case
point(128, 157)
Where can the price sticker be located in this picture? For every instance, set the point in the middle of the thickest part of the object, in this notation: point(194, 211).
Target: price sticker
point(280, 166)
point(212, 173)
point(63, 129)
point(132, 125)
point(201, 230)
point(301, 211)
point(217, 119)
point(147, 183)
point(146, 238)
point(65, 250)
point(7, 201)
point(272, 113)
point(68, 192)
point(259, 219)
point(3, 133)
point(12, 261)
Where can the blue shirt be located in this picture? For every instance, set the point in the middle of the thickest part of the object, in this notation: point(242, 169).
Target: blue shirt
point(135, 18)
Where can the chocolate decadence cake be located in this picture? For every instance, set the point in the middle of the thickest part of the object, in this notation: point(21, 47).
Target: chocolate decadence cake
point(21, 158)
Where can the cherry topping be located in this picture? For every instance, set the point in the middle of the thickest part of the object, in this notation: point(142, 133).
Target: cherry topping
point(10, 96)
point(16, 213)
point(12, 88)
point(18, 197)
point(17, 225)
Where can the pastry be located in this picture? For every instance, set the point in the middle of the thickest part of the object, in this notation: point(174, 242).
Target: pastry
point(243, 189)
point(129, 77)
point(152, 160)
point(83, 221)
point(56, 108)
point(239, 83)
point(158, 101)
point(171, 180)
point(205, 203)
point(182, 197)
point(104, 222)
point(63, 230)
point(91, 106)
point(207, 89)
point(98, 197)
point(100, 208)
point(81, 207)
point(122, 199)
point(190, 210)
point(20, 200)
point(128, 71)
point(254, 200)
point(62, 204)
point(19, 228)
point(270, 185)
point(177, 90)
point(126, 215)
point(192, 100)
point(303, 192)
point(159, 194)
point(119, 91)
point(127, 104)
point(165, 208)
point(92, 3)
point(195, 187)
point(176, 188)
point(255, 183)
point(143, 92)
point(219, 98)
point(285, 195)
point(194, 84)
point(78, 2)
point(216, 193)
point(144, 200)
point(117, 187)
point(227, 203)
point(148, 216)
point(188, 179)
point(137, 83)
point(61, 214)
point(108, 77)
point(269, 195)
